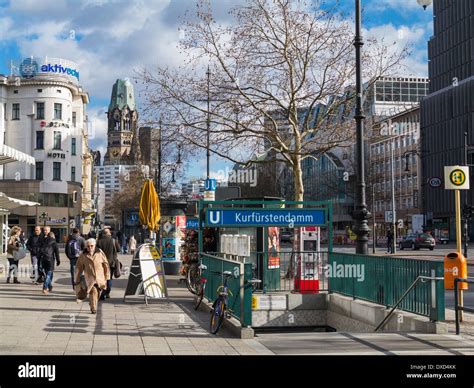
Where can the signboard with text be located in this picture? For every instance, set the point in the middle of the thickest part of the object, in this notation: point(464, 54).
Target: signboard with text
point(265, 217)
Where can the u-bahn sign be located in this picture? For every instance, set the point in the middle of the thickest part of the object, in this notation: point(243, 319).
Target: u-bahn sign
point(265, 217)
point(456, 177)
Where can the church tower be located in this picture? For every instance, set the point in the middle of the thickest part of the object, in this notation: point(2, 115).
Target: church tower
point(122, 126)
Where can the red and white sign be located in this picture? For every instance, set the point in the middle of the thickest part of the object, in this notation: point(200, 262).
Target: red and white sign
point(181, 222)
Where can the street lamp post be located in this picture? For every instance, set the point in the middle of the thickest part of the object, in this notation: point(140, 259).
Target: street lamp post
point(208, 124)
point(361, 214)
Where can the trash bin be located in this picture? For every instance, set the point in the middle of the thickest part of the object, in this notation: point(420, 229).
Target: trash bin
point(455, 266)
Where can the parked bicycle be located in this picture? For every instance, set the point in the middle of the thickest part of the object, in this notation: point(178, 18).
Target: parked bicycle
point(220, 308)
point(200, 288)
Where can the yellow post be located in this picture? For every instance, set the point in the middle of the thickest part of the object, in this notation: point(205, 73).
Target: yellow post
point(457, 196)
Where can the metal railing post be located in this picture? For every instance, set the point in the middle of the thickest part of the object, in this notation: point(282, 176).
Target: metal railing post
point(456, 306)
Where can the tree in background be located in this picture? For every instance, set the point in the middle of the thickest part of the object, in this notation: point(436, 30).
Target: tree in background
point(279, 81)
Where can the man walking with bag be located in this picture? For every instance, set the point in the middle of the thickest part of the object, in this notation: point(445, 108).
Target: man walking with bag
point(75, 245)
point(109, 246)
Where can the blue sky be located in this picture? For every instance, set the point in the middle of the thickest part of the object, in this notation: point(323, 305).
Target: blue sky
point(115, 38)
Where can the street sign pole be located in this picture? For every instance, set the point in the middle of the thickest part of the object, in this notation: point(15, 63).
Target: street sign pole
point(457, 178)
point(457, 196)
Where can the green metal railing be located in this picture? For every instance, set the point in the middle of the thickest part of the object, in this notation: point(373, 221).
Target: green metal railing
point(386, 279)
point(240, 297)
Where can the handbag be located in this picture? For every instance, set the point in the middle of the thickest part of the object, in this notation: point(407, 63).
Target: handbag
point(19, 254)
point(118, 269)
point(81, 290)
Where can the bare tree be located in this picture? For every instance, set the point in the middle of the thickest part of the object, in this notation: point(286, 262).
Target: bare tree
point(279, 80)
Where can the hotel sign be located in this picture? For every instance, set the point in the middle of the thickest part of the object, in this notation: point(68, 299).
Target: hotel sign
point(56, 155)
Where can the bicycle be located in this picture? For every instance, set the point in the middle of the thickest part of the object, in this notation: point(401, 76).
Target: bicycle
point(193, 277)
point(200, 288)
point(220, 308)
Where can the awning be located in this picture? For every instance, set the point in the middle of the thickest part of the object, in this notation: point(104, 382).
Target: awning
point(9, 203)
point(9, 155)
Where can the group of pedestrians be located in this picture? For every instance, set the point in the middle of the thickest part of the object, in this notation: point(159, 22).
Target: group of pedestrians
point(92, 262)
point(44, 253)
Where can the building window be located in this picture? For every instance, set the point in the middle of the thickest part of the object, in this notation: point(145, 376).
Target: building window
point(56, 171)
point(73, 119)
point(73, 146)
point(39, 171)
point(58, 111)
point(57, 140)
point(4, 111)
point(39, 140)
point(73, 174)
point(40, 90)
point(40, 110)
point(15, 111)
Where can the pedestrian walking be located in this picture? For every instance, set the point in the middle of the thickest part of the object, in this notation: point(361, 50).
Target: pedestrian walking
point(132, 244)
point(49, 256)
point(14, 245)
point(110, 247)
point(389, 241)
point(75, 245)
point(96, 270)
point(43, 241)
point(33, 245)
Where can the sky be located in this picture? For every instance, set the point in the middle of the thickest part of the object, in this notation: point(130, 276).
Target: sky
point(111, 39)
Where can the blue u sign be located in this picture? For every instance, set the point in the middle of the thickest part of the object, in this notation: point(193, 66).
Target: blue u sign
point(210, 185)
point(265, 217)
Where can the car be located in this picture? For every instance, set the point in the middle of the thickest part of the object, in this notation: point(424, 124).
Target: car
point(286, 236)
point(418, 240)
point(443, 240)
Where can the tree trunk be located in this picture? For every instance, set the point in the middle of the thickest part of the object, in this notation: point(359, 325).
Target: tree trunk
point(298, 179)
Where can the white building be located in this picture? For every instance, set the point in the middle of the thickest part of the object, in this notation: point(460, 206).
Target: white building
point(43, 110)
point(111, 177)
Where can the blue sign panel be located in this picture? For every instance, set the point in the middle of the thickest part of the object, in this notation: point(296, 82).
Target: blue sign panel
point(210, 184)
point(265, 217)
point(192, 223)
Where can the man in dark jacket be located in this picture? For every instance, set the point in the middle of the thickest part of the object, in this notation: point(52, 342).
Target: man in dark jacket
point(33, 245)
point(49, 255)
point(109, 246)
point(75, 245)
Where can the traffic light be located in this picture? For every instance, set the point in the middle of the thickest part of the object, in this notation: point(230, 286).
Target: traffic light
point(468, 210)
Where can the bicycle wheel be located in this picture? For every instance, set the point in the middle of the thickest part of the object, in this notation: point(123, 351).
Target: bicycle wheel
point(217, 315)
point(193, 278)
point(199, 294)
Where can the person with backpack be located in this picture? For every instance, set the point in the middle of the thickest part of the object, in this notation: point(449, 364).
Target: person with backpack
point(34, 245)
point(49, 255)
point(74, 247)
point(14, 245)
point(110, 247)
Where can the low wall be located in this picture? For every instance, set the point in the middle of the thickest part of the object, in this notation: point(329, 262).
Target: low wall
point(335, 311)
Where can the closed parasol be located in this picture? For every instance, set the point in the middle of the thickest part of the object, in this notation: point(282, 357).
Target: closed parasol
point(150, 206)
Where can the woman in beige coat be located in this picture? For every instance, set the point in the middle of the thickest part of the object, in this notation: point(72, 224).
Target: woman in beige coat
point(95, 266)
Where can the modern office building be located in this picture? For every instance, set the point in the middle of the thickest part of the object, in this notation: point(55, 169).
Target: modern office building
point(114, 178)
point(448, 111)
point(43, 115)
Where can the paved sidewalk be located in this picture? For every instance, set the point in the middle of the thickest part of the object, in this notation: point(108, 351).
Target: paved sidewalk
point(33, 323)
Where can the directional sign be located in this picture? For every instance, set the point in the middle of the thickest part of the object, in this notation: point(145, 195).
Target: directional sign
point(210, 184)
point(265, 217)
point(192, 223)
point(456, 177)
